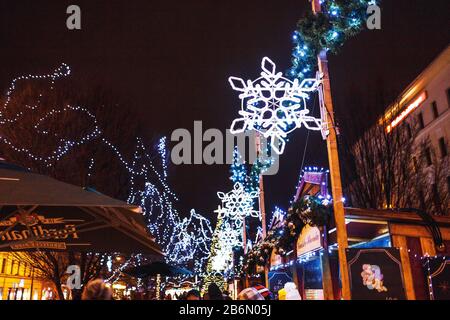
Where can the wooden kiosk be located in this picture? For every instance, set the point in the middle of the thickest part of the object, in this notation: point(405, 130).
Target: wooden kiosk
point(416, 246)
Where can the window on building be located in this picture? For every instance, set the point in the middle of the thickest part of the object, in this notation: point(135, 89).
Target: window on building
point(13, 263)
point(3, 264)
point(434, 108)
point(420, 121)
point(448, 97)
point(436, 196)
point(408, 130)
point(428, 156)
point(443, 147)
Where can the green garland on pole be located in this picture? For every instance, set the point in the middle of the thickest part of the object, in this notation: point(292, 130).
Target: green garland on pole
point(329, 29)
point(309, 210)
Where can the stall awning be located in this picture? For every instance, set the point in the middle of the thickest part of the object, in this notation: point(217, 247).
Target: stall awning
point(37, 211)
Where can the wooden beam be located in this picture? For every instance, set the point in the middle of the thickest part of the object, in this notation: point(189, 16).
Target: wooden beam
point(391, 216)
point(416, 231)
point(428, 247)
point(400, 242)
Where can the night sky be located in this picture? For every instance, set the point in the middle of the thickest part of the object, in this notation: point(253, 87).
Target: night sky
point(171, 59)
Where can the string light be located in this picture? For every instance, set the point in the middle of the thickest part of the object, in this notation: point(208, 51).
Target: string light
point(190, 240)
point(148, 184)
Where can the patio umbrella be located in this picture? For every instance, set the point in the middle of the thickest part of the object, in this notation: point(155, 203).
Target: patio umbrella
point(157, 268)
point(39, 212)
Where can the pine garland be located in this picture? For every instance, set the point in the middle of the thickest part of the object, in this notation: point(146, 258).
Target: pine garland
point(329, 29)
point(309, 210)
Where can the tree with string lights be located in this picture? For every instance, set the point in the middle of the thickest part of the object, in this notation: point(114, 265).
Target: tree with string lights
point(49, 127)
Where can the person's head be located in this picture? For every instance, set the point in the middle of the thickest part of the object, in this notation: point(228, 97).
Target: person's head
point(214, 292)
point(250, 294)
point(193, 295)
point(96, 290)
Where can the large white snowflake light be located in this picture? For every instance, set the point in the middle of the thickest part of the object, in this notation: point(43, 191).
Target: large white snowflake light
point(237, 204)
point(274, 105)
point(229, 237)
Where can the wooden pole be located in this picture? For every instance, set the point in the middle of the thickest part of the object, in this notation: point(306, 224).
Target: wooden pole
point(327, 282)
point(262, 207)
point(335, 172)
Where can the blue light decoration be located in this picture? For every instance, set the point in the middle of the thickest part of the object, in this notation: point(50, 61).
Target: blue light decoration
point(238, 168)
point(329, 29)
point(146, 171)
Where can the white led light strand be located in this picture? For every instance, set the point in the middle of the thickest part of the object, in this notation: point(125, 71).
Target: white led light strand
point(149, 187)
point(191, 239)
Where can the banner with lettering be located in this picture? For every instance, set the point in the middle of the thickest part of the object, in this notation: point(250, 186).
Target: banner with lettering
point(309, 240)
point(55, 228)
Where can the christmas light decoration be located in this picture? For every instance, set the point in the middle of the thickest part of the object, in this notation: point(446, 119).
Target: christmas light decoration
point(238, 169)
point(149, 187)
point(238, 204)
point(190, 241)
point(221, 253)
point(278, 217)
point(274, 105)
point(229, 237)
point(248, 175)
point(337, 22)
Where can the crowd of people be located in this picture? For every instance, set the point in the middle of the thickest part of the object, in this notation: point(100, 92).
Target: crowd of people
point(256, 292)
point(98, 290)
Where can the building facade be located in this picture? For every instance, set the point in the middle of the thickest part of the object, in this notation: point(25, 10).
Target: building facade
point(425, 104)
point(18, 281)
point(424, 109)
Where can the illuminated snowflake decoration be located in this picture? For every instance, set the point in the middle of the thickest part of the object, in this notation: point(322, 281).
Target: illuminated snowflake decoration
point(237, 204)
point(229, 237)
point(274, 105)
point(222, 260)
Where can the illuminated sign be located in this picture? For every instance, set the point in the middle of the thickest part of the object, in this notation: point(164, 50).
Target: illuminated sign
point(275, 259)
point(413, 105)
point(308, 240)
point(29, 230)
